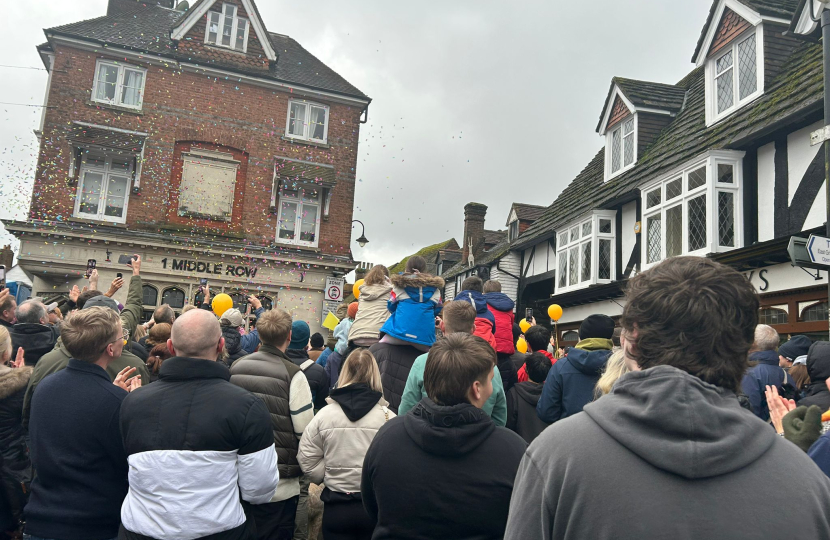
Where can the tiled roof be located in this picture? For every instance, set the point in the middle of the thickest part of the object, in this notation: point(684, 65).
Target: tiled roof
point(497, 252)
point(650, 95)
point(528, 212)
point(797, 89)
point(146, 27)
point(781, 9)
point(494, 237)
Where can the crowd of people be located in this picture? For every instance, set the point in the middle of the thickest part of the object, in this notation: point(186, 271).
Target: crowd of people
point(415, 419)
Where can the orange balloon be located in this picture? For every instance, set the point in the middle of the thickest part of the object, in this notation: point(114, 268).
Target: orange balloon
point(521, 345)
point(555, 312)
point(221, 303)
point(524, 325)
point(356, 288)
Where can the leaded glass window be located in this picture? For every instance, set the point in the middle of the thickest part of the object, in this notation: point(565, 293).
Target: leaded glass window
point(574, 266)
point(574, 234)
point(563, 271)
point(723, 82)
point(674, 189)
point(674, 231)
point(149, 295)
point(747, 67)
point(605, 226)
point(586, 229)
point(604, 260)
point(697, 178)
point(732, 77)
point(726, 218)
point(628, 142)
point(586, 261)
point(653, 198)
point(697, 223)
point(615, 151)
point(653, 238)
point(726, 173)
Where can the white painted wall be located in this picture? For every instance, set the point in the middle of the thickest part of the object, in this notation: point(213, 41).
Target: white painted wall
point(766, 192)
point(580, 313)
point(449, 290)
point(509, 263)
point(800, 155)
point(629, 237)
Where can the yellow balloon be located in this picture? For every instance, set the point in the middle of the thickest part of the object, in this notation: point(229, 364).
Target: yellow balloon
point(521, 345)
point(221, 303)
point(356, 288)
point(555, 312)
point(524, 325)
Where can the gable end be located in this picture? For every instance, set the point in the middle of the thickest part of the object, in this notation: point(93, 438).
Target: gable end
point(618, 112)
point(731, 26)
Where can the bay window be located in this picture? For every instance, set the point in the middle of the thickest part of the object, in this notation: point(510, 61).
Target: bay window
point(103, 187)
point(299, 211)
point(693, 211)
point(585, 252)
point(118, 84)
point(226, 29)
point(307, 121)
point(735, 76)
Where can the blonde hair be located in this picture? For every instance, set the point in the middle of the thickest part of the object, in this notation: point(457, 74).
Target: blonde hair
point(360, 367)
point(140, 332)
point(614, 369)
point(187, 308)
point(5, 342)
point(377, 275)
point(87, 332)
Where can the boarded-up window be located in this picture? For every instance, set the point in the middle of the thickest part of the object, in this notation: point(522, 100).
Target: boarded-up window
point(208, 185)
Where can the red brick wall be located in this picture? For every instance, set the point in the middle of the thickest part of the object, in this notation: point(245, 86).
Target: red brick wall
point(731, 26)
point(193, 44)
point(618, 112)
point(182, 106)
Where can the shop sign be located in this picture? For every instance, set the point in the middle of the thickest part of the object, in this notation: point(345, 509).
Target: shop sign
point(201, 267)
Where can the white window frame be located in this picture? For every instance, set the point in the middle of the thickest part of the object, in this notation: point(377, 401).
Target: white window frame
point(510, 232)
point(710, 190)
point(609, 141)
point(119, 85)
point(234, 29)
point(299, 215)
point(712, 114)
point(305, 136)
point(106, 171)
point(563, 250)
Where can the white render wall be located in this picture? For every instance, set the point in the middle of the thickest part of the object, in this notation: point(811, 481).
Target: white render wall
point(766, 192)
point(629, 237)
point(800, 155)
point(510, 263)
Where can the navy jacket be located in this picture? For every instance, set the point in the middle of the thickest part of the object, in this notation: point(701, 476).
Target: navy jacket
point(754, 383)
point(477, 299)
point(77, 452)
point(570, 383)
point(820, 453)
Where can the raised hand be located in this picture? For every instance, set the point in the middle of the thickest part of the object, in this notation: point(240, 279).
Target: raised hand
point(117, 283)
point(19, 362)
point(121, 380)
point(778, 407)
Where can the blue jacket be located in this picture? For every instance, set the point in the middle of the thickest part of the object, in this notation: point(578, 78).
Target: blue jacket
point(250, 341)
point(571, 381)
point(324, 357)
point(754, 383)
point(480, 303)
point(412, 313)
point(820, 453)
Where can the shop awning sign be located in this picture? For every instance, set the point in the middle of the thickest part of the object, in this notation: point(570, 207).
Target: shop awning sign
point(818, 248)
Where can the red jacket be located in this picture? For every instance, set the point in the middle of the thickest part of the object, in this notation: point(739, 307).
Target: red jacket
point(484, 330)
point(523, 371)
point(501, 306)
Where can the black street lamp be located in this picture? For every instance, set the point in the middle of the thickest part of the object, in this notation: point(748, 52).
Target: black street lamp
point(362, 241)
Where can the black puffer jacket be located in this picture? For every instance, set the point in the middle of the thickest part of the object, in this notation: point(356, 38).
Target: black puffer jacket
point(818, 368)
point(394, 362)
point(267, 373)
point(233, 344)
point(15, 467)
point(36, 340)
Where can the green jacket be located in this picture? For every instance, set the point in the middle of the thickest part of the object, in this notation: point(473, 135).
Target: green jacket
point(58, 358)
point(131, 313)
point(496, 406)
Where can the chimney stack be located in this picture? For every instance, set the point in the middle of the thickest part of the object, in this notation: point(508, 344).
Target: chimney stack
point(474, 214)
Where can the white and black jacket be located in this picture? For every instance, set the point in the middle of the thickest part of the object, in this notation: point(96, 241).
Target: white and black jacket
point(196, 444)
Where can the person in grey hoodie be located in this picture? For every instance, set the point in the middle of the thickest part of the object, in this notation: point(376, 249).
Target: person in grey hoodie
point(669, 453)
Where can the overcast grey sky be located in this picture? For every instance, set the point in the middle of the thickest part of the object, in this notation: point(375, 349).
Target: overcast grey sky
point(474, 100)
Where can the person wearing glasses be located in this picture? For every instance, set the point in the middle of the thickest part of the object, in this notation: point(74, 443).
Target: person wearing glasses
point(76, 445)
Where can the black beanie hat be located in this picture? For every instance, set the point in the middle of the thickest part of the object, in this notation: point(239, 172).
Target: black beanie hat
point(317, 340)
point(597, 326)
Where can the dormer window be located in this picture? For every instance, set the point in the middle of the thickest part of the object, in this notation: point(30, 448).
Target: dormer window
point(733, 76)
point(622, 142)
point(513, 230)
point(227, 30)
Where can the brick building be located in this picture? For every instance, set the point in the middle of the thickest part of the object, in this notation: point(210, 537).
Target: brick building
point(198, 139)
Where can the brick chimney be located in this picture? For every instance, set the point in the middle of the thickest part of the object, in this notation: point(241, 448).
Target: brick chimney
point(474, 214)
point(7, 257)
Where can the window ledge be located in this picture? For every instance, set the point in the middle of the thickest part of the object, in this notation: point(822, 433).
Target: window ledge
point(97, 222)
point(281, 245)
point(102, 105)
point(305, 142)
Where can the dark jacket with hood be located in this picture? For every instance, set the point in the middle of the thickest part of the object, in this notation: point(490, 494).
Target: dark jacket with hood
point(765, 372)
point(521, 410)
point(15, 467)
point(36, 340)
point(501, 308)
point(233, 344)
point(317, 377)
point(571, 380)
point(440, 472)
point(818, 368)
point(394, 363)
point(690, 459)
